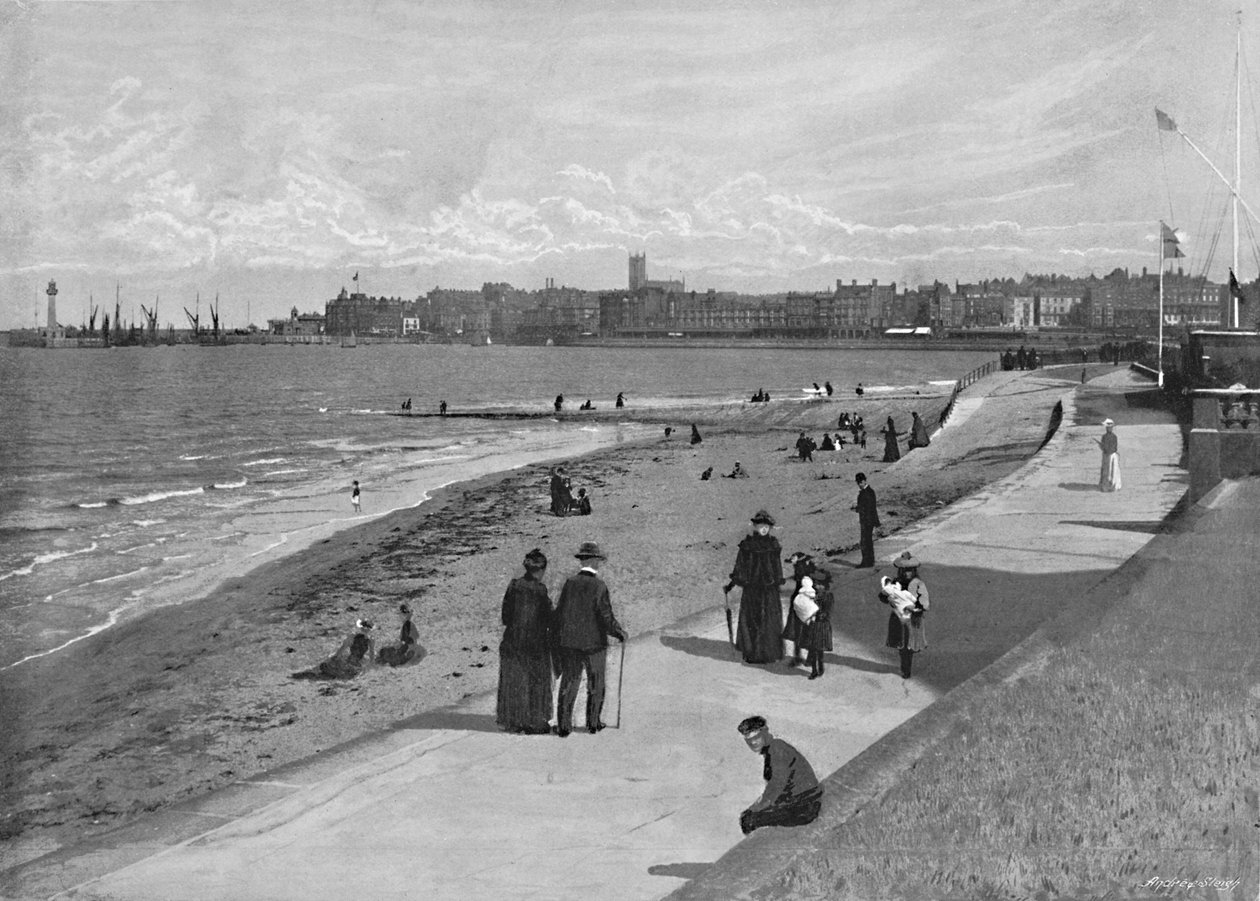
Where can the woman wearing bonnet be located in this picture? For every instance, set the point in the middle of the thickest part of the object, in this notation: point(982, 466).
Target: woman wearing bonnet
point(1109, 477)
point(525, 665)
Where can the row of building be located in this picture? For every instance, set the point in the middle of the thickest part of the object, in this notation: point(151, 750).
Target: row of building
point(1120, 301)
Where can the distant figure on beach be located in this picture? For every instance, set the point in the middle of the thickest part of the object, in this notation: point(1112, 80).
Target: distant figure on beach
point(581, 504)
point(407, 406)
point(707, 474)
point(584, 619)
point(760, 397)
point(525, 660)
point(442, 408)
point(587, 406)
point(805, 447)
point(695, 434)
point(859, 390)
point(1032, 358)
point(668, 431)
point(817, 390)
point(621, 400)
point(918, 432)
point(907, 635)
point(561, 499)
point(354, 656)
point(408, 647)
point(1021, 358)
point(868, 520)
point(827, 385)
point(758, 571)
point(737, 473)
point(892, 453)
point(827, 443)
point(792, 796)
point(354, 497)
point(842, 422)
point(559, 402)
point(1109, 478)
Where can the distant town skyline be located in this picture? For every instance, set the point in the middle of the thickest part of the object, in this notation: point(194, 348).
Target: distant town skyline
point(268, 152)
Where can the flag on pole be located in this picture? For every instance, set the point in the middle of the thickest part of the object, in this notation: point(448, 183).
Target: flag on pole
point(1236, 289)
point(356, 277)
point(1172, 248)
point(1164, 121)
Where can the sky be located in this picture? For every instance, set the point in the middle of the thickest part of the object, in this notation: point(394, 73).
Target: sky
point(265, 152)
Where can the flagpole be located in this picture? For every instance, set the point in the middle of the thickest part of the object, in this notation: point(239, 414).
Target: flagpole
point(1237, 150)
point(1160, 351)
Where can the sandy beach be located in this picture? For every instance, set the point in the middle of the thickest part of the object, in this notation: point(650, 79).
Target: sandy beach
point(190, 698)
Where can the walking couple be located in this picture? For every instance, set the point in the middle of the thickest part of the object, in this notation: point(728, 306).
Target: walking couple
point(568, 641)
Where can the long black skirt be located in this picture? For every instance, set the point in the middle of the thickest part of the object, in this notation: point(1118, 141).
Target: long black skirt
point(524, 703)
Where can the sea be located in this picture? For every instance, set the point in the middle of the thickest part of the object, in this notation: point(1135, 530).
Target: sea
point(134, 478)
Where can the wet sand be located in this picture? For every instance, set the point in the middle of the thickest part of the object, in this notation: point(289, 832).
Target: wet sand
point(191, 698)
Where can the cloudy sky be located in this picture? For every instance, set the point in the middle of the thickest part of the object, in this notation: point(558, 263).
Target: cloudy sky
point(266, 151)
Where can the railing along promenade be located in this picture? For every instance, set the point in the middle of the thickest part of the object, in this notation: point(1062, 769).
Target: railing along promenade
point(969, 379)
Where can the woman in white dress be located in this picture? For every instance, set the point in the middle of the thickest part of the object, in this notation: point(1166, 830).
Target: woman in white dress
point(1109, 478)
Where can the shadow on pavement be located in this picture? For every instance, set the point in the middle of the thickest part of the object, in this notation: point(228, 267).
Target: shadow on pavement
point(679, 870)
point(1079, 486)
point(1149, 527)
point(449, 719)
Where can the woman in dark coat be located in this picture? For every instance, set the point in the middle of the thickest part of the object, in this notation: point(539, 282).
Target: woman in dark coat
point(759, 572)
point(524, 703)
point(892, 453)
point(918, 432)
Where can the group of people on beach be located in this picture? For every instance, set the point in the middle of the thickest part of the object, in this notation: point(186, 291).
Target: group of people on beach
point(563, 501)
point(358, 651)
point(558, 403)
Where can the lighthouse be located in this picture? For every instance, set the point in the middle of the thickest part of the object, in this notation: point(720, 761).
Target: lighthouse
point(52, 308)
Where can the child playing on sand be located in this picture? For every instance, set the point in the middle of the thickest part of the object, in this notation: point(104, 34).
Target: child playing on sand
point(354, 497)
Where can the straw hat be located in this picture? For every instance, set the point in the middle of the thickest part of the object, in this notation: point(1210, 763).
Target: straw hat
point(590, 549)
point(906, 561)
point(1108, 423)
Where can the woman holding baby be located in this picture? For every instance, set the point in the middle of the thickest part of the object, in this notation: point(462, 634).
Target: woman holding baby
point(907, 635)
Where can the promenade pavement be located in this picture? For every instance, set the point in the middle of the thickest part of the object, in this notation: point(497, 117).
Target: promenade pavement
point(445, 806)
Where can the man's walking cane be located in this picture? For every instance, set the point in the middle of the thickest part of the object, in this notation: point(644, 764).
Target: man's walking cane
point(621, 671)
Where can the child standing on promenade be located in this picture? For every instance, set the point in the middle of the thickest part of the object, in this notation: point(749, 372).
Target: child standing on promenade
point(354, 497)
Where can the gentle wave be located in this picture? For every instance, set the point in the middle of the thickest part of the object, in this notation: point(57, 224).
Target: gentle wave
point(284, 472)
point(156, 496)
point(46, 558)
point(119, 577)
point(226, 485)
point(267, 462)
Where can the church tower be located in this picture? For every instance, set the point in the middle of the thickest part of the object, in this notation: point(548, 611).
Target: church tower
point(638, 270)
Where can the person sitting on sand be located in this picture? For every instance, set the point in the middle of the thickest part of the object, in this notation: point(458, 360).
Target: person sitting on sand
point(354, 656)
point(408, 647)
point(737, 473)
point(695, 434)
point(859, 390)
point(581, 505)
point(707, 474)
point(827, 443)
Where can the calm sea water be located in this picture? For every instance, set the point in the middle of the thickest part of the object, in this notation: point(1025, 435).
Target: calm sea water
point(133, 478)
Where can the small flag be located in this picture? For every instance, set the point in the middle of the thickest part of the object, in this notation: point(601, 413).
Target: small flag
point(1236, 289)
point(356, 277)
point(1164, 121)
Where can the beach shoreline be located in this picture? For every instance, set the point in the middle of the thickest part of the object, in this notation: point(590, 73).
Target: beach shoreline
point(188, 699)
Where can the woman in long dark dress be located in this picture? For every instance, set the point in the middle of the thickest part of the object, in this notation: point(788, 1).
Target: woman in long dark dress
point(892, 453)
point(759, 572)
point(524, 703)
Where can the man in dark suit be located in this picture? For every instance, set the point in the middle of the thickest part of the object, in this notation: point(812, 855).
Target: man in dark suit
point(868, 519)
point(584, 620)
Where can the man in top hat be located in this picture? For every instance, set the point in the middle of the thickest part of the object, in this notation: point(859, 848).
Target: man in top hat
point(868, 519)
point(792, 796)
point(584, 620)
